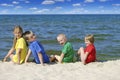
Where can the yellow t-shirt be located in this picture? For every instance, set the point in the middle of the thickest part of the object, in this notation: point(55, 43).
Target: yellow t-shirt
point(20, 44)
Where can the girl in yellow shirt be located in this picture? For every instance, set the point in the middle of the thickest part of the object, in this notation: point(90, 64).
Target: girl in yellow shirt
point(19, 46)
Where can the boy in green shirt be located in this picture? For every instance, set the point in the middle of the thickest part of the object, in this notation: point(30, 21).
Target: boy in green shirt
point(67, 54)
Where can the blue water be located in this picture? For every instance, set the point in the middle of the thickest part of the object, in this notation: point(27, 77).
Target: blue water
point(104, 27)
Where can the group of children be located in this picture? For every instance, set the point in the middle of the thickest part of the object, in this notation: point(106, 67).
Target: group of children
point(23, 50)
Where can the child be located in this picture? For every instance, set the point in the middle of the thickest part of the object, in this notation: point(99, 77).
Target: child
point(19, 45)
point(67, 54)
point(36, 49)
point(89, 53)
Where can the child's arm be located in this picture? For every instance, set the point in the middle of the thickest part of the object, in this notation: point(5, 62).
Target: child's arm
point(18, 55)
point(9, 53)
point(26, 59)
point(40, 58)
point(61, 57)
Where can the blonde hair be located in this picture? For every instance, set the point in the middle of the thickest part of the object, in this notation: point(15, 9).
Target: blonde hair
point(19, 29)
point(62, 35)
point(90, 38)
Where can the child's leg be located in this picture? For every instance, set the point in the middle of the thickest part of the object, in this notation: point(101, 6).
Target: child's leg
point(10, 52)
point(82, 55)
point(78, 52)
point(11, 57)
point(8, 55)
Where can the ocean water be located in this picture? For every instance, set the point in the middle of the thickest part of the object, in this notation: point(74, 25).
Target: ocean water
point(105, 28)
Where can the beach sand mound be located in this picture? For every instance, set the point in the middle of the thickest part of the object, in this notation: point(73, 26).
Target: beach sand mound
point(109, 70)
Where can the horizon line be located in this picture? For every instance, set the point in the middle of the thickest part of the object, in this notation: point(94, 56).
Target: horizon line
point(60, 14)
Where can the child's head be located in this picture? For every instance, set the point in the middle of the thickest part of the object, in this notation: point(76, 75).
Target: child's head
point(89, 39)
point(18, 31)
point(29, 36)
point(61, 38)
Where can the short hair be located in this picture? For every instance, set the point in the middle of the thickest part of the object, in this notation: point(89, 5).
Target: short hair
point(61, 35)
point(26, 33)
point(90, 37)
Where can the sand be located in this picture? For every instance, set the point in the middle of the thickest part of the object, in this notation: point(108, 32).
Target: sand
point(109, 70)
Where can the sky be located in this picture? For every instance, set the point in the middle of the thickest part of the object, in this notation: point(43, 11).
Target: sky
point(59, 6)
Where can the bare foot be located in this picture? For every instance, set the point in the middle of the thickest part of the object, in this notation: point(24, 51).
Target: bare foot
point(52, 58)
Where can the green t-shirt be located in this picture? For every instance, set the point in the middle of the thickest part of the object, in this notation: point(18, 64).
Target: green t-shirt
point(68, 52)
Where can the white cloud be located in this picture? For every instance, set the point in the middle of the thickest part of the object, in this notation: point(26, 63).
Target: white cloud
point(4, 11)
point(102, 11)
point(21, 0)
point(15, 2)
point(42, 11)
point(103, 0)
point(33, 8)
point(59, 0)
point(89, 1)
point(48, 2)
point(77, 11)
point(51, 1)
point(77, 4)
point(116, 11)
point(27, 2)
point(101, 7)
point(18, 7)
point(118, 5)
point(6, 5)
point(68, 0)
point(58, 8)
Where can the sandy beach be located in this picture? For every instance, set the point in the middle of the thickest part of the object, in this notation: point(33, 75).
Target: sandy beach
point(109, 70)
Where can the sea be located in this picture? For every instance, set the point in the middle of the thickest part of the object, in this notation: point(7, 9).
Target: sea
point(104, 27)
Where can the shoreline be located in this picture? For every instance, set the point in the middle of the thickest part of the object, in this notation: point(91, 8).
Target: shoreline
point(100, 57)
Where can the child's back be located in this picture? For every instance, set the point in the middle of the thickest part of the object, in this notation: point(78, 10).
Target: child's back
point(92, 53)
point(36, 47)
point(20, 44)
point(68, 52)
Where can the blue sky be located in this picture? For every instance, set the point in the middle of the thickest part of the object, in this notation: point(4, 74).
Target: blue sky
point(59, 6)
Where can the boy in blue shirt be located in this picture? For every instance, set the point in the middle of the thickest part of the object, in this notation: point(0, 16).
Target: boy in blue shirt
point(36, 49)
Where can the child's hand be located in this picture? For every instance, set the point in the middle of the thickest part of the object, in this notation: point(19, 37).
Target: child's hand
point(56, 56)
point(5, 59)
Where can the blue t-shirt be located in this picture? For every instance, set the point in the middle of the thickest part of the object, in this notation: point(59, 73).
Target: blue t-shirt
point(36, 48)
